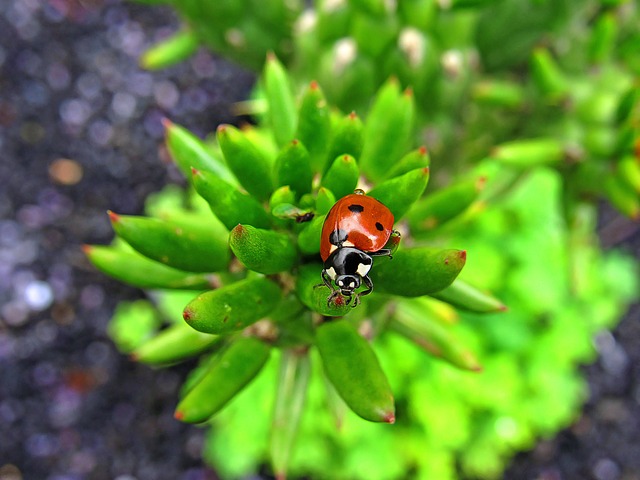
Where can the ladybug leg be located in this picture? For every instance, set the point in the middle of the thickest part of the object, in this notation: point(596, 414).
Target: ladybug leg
point(383, 252)
point(367, 281)
point(326, 280)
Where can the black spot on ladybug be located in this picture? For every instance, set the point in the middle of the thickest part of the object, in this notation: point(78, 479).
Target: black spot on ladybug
point(379, 226)
point(355, 208)
point(338, 237)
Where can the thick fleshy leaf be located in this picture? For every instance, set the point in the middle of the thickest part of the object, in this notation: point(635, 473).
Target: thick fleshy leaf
point(227, 375)
point(309, 237)
point(444, 204)
point(465, 296)
point(342, 176)
point(353, 369)
point(232, 307)
point(132, 268)
point(281, 104)
point(346, 139)
point(263, 251)
point(293, 168)
point(314, 125)
point(229, 204)
point(174, 344)
point(412, 321)
point(418, 158)
point(170, 51)
point(414, 272)
point(295, 371)
point(387, 131)
point(189, 152)
point(194, 248)
point(530, 152)
point(400, 193)
point(251, 166)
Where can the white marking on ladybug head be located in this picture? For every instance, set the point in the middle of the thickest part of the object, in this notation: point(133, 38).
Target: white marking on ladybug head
point(363, 269)
point(331, 272)
point(332, 249)
point(347, 243)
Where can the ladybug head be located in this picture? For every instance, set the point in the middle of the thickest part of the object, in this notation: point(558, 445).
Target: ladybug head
point(347, 284)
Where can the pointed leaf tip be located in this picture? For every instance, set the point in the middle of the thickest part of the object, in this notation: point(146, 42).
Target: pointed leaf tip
point(86, 249)
point(408, 92)
point(423, 150)
point(353, 115)
point(166, 123)
point(178, 415)
point(194, 171)
point(187, 315)
point(463, 255)
point(313, 85)
point(390, 418)
point(114, 217)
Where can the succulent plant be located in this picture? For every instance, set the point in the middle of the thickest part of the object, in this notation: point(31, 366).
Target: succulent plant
point(574, 106)
point(254, 264)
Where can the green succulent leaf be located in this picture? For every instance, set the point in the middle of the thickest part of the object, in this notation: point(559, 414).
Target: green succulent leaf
point(229, 204)
point(174, 344)
point(295, 371)
point(342, 176)
point(324, 201)
point(347, 139)
point(263, 251)
point(418, 158)
point(293, 168)
point(465, 296)
point(133, 324)
point(226, 376)
point(250, 165)
point(189, 152)
point(411, 321)
point(314, 125)
point(353, 369)
point(282, 110)
point(400, 193)
point(445, 204)
point(530, 152)
point(418, 271)
point(194, 248)
point(387, 131)
point(180, 46)
point(232, 307)
point(309, 237)
point(132, 268)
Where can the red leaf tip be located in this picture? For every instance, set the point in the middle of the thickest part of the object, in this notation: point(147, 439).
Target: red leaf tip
point(423, 150)
point(166, 123)
point(390, 417)
point(178, 415)
point(463, 255)
point(114, 217)
point(86, 249)
point(187, 314)
point(353, 115)
point(295, 142)
point(313, 85)
point(194, 171)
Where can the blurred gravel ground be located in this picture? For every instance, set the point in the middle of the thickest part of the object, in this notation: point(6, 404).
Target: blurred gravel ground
point(79, 134)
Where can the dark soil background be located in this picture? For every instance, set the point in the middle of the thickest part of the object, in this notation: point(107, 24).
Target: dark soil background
point(80, 133)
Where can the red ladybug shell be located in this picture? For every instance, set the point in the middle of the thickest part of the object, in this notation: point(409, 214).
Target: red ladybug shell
point(367, 223)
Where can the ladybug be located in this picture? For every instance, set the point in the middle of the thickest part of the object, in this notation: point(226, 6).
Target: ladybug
point(356, 229)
